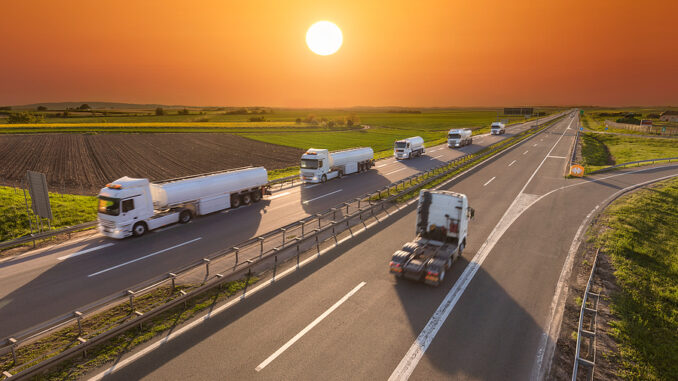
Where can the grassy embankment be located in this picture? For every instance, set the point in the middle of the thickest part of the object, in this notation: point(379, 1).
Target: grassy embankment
point(111, 350)
point(640, 238)
point(600, 151)
point(68, 210)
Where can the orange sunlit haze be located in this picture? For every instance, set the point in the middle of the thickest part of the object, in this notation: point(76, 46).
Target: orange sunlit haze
point(409, 53)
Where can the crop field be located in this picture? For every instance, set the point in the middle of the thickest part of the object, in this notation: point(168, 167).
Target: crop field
point(82, 163)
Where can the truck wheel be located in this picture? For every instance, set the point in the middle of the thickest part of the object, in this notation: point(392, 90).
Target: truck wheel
point(139, 229)
point(235, 201)
point(247, 199)
point(185, 216)
point(323, 179)
point(256, 196)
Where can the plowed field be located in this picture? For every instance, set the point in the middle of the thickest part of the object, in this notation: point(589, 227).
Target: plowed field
point(82, 163)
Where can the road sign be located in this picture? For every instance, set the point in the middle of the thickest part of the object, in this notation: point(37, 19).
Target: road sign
point(581, 128)
point(663, 129)
point(37, 187)
point(581, 112)
point(577, 170)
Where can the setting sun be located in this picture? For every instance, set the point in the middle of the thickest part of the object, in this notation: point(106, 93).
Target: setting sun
point(324, 38)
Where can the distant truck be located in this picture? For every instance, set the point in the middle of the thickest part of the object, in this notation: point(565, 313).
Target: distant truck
point(459, 137)
point(408, 148)
point(132, 206)
point(442, 224)
point(497, 128)
point(320, 165)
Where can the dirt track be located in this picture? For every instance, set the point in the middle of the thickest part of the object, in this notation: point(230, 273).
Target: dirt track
point(82, 163)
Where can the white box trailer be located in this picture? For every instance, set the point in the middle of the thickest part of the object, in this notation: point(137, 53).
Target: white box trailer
point(497, 128)
point(133, 206)
point(320, 165)
point(408, 148)
point(459, 137)
point(442, 226)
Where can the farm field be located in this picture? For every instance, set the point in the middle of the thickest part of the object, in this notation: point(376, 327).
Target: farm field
point(82, 163)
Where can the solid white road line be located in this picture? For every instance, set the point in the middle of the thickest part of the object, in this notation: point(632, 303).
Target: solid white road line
point(489, 181)
point(311, 186)
point(513, 162)
point(144, 257)
point(422, 342)
point(435, 157)
point(525, 152)
point(85, 251)
point(278, 195)
point(308, 328)
point(557, 157)
point(177, 225)
point(392, 172)
point(325, 195)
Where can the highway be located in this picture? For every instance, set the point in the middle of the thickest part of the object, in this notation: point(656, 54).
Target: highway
point(43, 284)
point(346, 318)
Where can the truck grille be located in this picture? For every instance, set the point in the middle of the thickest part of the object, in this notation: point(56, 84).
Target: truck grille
point(107, 224)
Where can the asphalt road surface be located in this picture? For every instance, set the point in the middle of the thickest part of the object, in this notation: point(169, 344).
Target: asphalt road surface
point(346, 317)
point(47, 283)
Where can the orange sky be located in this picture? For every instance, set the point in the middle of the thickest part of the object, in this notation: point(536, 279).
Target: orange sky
point(409, 53)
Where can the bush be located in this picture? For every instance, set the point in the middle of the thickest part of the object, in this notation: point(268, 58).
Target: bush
point(297, 121)
point(25, 117)
point(652, 116)
point(183, 112)
point(257, 119)
point(159, 111)
point(628, 120)
point(42, 108)
point(84, 106)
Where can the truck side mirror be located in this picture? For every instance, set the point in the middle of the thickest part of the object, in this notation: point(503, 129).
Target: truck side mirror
point(471, 212)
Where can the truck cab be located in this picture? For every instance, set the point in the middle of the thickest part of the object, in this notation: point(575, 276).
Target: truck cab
point(315, 166)
point(459, 137)
point(121, 204)
point(402, 149)
point(497, 128)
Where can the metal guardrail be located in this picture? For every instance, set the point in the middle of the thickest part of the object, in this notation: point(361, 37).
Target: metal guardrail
point(652, 161)
point(35, 237)
point(591, 313)
point(287, 242)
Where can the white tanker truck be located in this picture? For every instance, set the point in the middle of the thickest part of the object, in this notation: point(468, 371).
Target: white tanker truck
point(130, 206)
point(320, 165)
point(408, 148)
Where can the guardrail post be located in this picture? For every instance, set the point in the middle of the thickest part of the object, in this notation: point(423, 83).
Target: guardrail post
point(237, 250)
point(261, 246)
point(346, 204)
point(174, 284)
point(13, 342)
point(334, 234)
point(283, 238)
point(131, 300)
point(275, 265)
point(298, 251)
point(319, 216)
point(207, 267)
point(358, 205)
point(78, 315)
point(302, 228)
point(334, 213)
point(247, 281)
point(317, 243)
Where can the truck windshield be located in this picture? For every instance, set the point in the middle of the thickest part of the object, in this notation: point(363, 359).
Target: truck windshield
point(309, 163)
point(454, 136)
point(110, 206)
point(400, 144)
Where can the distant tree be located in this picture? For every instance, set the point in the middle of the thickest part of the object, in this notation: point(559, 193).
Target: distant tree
point(628, 120)
point(6, 108)
point(257, 119)
point(297, 121)
point(330, 123)
point(310, 118)
point(349, 122)
point(184, 112)
point(159, 111)
point(25, 117)
point(66, 114)
point(42, 108)
point(652, 116)
point(84, 106)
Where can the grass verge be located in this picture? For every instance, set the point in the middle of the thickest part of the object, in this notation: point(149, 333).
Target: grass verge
point(639, 237)
point(623, 149)
point(111, 350)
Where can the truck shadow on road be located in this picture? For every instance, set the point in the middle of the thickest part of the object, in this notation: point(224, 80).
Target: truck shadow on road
point(488, 335)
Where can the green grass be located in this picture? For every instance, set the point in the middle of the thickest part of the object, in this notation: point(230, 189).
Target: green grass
point(643, 246)
point(623, 149)
point(68, 210)
point(111, 350)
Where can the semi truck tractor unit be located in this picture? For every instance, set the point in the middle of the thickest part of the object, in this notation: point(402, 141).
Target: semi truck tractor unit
point(131, 206)
point(459, 137)
point(408, 148)
point(442, 224)
point(320, 165)
point(497, 128)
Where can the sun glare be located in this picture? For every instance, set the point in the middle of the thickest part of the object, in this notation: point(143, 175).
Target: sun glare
point(324, 38)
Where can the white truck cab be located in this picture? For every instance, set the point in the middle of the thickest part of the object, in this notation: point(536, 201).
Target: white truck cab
point(497, 128)
point(123, 203)
point(459, 137)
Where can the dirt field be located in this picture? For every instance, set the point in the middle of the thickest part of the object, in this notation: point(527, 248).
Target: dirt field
point(83, 163)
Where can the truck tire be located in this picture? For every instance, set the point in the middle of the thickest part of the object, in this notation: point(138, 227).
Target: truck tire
point(139, 229)
point(235, 201)
point(256, 196)
point(185, 216)
point(323, 179)
point(247, 198)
